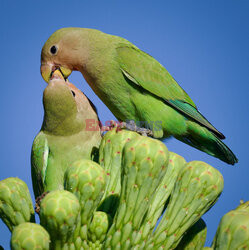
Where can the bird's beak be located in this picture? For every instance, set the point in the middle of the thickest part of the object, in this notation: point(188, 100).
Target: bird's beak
point(47, 71)
point(57, 75)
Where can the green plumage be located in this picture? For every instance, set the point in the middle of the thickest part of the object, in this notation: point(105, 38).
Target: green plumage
point(134, 86)
point(64, 136)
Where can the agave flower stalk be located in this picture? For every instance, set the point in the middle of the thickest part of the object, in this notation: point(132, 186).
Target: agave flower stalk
point(196, 190)
point(110, 155)
point(144, 165)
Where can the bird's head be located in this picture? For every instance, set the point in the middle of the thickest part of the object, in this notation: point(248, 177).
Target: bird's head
point(63, 51)
point(66, 108)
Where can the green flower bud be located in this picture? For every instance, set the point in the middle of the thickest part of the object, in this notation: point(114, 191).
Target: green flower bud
point(98, 229)
point(161, 195)
point(233, 230)
point(197, 188)
point(15, 202)
point(29, 236)
point(60, 215)
point(144, 165)
point(110, 152)
point(86, 179)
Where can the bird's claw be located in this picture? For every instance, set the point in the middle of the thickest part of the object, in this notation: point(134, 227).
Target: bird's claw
point(38, 201)
point(112, 124)
point(131, 125)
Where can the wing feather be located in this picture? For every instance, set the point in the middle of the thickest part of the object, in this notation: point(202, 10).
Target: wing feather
point(39, 163)
point(144, 71)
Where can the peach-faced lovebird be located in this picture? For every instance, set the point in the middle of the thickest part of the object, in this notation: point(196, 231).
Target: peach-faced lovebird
point(133, 85)
point(66, 135)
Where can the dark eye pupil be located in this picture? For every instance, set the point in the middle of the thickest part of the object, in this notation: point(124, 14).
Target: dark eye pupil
point(53, 49)
point(73, 93)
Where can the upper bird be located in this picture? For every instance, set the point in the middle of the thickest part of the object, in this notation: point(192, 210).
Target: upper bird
point(133, 85)
point(67, 134)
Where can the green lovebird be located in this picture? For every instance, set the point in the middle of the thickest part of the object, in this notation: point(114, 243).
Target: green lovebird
point(133, 85)
point(66, 135)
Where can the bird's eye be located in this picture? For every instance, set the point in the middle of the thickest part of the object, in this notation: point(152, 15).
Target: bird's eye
point(73, 93)
point(53, 50)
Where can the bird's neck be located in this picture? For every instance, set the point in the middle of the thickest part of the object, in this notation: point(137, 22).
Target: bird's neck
point(62, 127)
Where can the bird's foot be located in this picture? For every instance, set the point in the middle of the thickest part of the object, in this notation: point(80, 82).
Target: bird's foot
point(131, 125)
point(112, 124)
point(38, 201)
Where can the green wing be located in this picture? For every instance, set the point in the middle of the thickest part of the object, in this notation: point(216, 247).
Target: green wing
point(39, 161)
point(146, 72)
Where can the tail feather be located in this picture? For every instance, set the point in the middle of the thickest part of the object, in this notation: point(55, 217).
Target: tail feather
point(204, 140)
point(230, 157)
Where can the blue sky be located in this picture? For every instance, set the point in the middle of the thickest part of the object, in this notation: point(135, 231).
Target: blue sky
point(203, 44)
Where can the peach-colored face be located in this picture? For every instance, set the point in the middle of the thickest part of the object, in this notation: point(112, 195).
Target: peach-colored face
point(79, 97)
point(59, 52)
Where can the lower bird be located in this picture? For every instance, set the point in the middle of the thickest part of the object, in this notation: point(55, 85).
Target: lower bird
point(133, 85)
point(66, 135)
